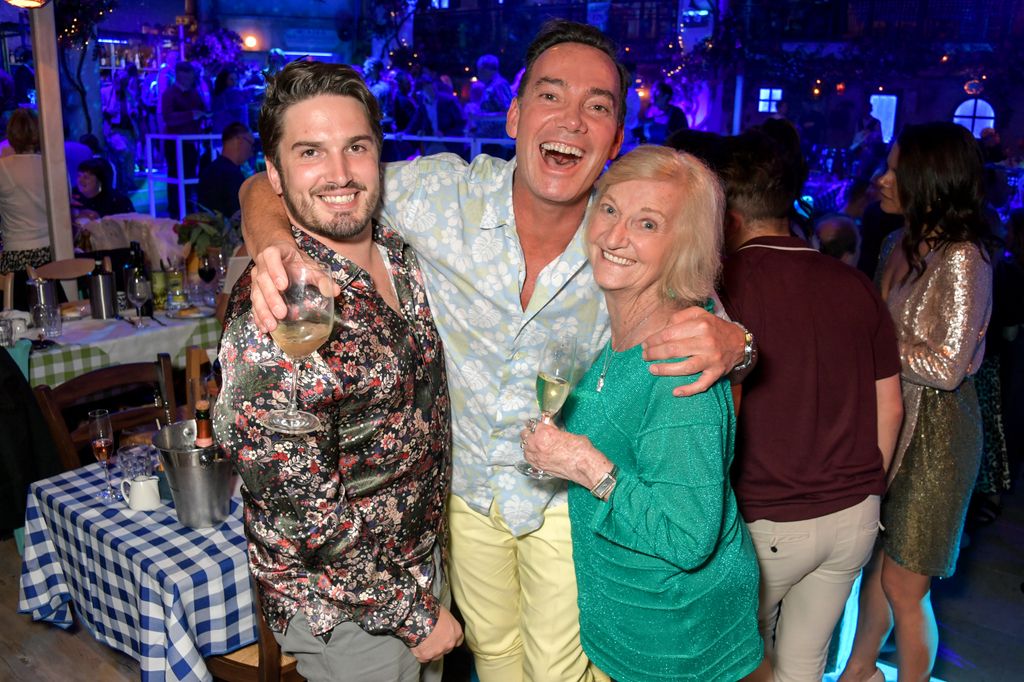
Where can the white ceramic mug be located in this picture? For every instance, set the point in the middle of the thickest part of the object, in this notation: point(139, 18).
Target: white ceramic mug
point(141, 493)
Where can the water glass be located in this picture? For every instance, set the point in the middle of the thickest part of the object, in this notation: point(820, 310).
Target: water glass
point(159, 281)
point(196, 295)
point(177, 296)
point(135, 461)
point(47, 320)
point(6, 334)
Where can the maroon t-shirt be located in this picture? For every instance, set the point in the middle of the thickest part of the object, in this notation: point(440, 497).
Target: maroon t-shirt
point(807, 434)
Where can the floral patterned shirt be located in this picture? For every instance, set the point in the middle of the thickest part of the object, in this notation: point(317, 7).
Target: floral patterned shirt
point(459, 219)
point(343, 522)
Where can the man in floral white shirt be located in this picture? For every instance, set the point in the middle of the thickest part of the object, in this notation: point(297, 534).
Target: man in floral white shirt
point(504, 263)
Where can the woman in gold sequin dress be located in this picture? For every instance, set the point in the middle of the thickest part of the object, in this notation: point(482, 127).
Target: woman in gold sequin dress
point(937, 281)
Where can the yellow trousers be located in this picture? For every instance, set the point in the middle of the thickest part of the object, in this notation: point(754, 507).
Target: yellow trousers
point(518, 597)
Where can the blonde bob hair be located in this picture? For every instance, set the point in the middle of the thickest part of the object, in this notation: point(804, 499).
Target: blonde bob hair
point(694, 259)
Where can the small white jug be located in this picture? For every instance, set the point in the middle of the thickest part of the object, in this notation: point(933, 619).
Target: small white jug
point(141, 493)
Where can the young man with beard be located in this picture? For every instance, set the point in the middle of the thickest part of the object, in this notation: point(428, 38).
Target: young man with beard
point(505, 265)
point(346, 524)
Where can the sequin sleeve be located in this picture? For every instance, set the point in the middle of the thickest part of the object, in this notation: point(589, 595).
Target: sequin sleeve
point(947, 343)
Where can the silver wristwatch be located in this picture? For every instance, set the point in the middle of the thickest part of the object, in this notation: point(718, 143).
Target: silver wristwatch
point(603, 488)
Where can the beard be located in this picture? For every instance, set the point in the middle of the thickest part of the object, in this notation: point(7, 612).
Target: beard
point(339, 227)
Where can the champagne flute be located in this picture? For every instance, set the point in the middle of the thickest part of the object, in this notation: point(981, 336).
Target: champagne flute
point(554, 383)
point(304, 328)
point(138, 291)
point(102, 436)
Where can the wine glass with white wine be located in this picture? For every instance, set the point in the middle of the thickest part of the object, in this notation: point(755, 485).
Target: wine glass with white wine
point(554, 383)
point(305, 327)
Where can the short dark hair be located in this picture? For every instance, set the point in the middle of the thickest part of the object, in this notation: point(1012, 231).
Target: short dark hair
point(100, 169)
point(184, 67)
point(233, 130)
point(558, 31)
point(92, 142)
point(844, 240)
point(23, 131)
point(761, 181)
point(299, 81)
point(711, 148)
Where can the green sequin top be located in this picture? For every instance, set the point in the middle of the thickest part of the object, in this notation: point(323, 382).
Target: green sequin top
point(666, 571)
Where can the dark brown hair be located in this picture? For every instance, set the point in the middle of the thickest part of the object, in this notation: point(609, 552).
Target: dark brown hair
point(302, 80)
point(23, 131)
point(939, 178)
point(558, 31)
point(762, 179)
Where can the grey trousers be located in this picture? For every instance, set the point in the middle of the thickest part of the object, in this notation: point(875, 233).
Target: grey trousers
point(354, 655)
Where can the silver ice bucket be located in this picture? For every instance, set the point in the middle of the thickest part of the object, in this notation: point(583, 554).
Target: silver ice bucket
point(201, 480)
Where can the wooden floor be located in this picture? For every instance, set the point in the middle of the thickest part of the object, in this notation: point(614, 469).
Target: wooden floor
point(40, 652)
point(980, 612)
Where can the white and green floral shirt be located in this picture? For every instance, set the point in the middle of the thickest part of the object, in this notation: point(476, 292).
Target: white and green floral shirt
point(458, 218)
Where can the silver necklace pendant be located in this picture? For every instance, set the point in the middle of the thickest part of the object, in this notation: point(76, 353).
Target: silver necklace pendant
point(604, 370)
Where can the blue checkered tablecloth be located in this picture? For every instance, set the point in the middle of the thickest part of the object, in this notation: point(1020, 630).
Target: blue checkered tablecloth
point(142, 583)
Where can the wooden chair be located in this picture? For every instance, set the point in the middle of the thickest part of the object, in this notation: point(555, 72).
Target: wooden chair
point(197, 368)
point(259, 662)
point(7, 289)
point(103, 386)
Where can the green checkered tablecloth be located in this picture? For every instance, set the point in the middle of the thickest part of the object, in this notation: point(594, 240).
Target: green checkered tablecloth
point(94, 344)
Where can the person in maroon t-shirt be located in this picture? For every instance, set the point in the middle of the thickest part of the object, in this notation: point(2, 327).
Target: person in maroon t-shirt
point(820, 412)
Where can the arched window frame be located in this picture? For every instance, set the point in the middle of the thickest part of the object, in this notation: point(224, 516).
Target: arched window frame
point(975, 114)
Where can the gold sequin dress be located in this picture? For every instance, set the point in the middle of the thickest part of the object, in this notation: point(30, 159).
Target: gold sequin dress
point(940, 320)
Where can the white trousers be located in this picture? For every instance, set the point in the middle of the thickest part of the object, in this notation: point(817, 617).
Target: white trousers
point(807, 570)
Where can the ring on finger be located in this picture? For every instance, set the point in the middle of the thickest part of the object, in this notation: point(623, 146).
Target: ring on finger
point(533, 425)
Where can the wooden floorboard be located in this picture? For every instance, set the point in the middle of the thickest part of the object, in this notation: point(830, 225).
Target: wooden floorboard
point(31, 651)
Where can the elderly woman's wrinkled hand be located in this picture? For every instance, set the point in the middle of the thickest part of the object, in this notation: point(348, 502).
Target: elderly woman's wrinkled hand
point(562, 454)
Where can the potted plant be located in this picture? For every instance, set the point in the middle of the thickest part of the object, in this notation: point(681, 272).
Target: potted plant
point(201, 231)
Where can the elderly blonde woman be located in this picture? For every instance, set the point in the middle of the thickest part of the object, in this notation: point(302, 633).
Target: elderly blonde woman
point(666, 571)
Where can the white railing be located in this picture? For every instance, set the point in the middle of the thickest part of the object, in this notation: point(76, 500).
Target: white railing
point(180, 181)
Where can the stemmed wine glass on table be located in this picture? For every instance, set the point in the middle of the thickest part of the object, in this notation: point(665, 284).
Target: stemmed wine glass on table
point(554, 383)
point(305, 327)
point(138, 290)
point(102, 436)
point(207, 272)
point(207, 269)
